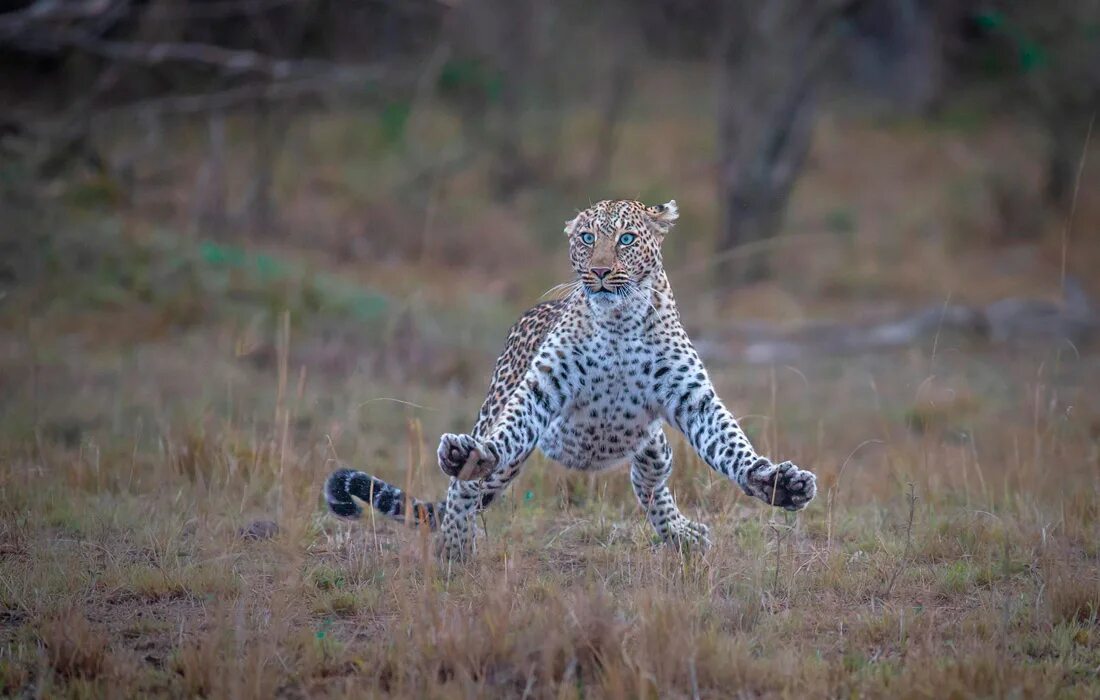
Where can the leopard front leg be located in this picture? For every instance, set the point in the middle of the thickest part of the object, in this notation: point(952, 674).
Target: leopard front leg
point(464, 500)
point(484, 466)
point(650, 469)
point(455, 541)
point(691, 404)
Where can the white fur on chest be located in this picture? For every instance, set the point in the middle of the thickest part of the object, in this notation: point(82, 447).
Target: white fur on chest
point(610, 414)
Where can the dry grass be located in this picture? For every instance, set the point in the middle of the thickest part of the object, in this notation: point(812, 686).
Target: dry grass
point(146, 426)
point(74, 649)
point(127, 565)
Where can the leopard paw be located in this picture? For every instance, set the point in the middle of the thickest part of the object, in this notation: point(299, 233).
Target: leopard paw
point(454, 545)
point(782, 485)
point(684, 534)
point(463, 457)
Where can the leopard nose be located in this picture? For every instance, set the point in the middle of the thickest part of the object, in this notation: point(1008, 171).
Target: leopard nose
point(600, 272)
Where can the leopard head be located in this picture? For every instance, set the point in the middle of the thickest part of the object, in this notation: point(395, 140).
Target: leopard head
point(615, 247)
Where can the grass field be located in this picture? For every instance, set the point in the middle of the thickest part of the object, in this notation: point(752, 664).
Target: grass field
point(166, 396)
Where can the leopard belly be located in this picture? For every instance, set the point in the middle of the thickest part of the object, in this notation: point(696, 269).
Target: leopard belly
point(592, 444)
point(607, 421)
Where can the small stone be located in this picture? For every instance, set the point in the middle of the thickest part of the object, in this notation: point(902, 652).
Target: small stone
point(260, 530)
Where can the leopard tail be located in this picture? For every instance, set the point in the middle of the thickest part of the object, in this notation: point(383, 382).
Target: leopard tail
point(387, 499)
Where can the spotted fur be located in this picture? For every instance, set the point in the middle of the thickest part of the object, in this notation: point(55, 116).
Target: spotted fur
point(591, 379)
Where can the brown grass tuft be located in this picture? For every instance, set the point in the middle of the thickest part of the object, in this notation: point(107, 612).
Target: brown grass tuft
point(1074, 598)
point(74, 648)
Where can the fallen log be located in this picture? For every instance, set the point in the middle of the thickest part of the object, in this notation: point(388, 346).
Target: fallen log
point(1006, 322)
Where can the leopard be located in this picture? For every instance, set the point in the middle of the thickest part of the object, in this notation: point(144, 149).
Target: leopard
point(591, 379)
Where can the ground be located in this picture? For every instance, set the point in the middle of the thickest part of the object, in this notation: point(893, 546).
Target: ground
point(167, 393)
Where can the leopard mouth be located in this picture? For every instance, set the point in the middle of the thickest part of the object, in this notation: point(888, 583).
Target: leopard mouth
point(605, 292)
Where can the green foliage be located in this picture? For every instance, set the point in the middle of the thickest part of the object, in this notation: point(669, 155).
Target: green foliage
point(188, 282)
point(470, 77)
point(957, 577)
point(393, 121)
point(327, 578)
point(841, 221)
point(98, 191)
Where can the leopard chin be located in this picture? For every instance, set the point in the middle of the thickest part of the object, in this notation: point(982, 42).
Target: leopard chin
point(605, 301)
point(605, 293)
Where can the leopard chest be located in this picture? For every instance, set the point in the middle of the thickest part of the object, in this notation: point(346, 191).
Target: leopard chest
point(609, 413)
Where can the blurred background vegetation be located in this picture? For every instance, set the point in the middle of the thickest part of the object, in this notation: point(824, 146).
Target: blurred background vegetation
point(396, 174)
point(854, 175)
point(243, 239)
point(462, 132)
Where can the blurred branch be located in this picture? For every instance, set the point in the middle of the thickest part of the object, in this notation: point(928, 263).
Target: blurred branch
point(220, 9)
point(234, 61)
point(30, 29)
point(51, 11)
point(49, 27)
point(222, 100)
point(623, 33)
point(50, 144)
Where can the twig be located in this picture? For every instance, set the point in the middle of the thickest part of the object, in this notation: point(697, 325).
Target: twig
point(741, 250)
point(694, 678)
point(1006, 610)
point(40, 30)
point(836, 485)
point(43, 11)
point(778, 552)
point(1073, 202)
point(911, 497)
point(217, 9)
point(229, 60)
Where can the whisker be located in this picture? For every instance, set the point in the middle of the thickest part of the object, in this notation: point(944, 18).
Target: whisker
point(574, 289)
point(635, 292)
point(563, 290)
point(665, 298)
point(555, 288)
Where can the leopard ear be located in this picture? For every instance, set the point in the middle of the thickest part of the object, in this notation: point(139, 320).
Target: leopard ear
point(569, 225)
point(664, 215)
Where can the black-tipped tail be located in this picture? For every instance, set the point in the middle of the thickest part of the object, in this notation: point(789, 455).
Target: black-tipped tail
point(387, 499)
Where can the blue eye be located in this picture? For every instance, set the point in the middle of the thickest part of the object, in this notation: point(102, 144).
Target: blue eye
point(588, 238)
point(627, 238)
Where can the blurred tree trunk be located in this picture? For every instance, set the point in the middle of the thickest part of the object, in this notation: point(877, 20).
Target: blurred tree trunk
point(209, 217)
point(896, 53)
point(1054, 47)
point(285, 39)
point(1064, 137)
point(494, 71)
point(1065, 106)
point(514, 38)
point(623, 49)
point(614, 101)
point(918, 56)
point(271, 126)
point(772, 56)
